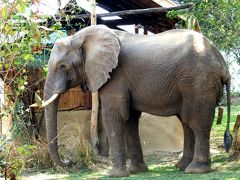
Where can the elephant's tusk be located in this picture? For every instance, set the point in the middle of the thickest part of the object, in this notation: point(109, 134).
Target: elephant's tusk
point(34, 105)
point(45, 103)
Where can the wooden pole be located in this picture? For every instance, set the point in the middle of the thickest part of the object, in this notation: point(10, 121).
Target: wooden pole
point(136, 28)
point(95, 100)
point(235, 132)
point(145, 30)
point(220, 115)
point(133, 12)
point(93, 12)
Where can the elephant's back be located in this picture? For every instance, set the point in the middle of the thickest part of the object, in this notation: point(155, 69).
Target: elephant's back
point(163, 52)
point(171, 50)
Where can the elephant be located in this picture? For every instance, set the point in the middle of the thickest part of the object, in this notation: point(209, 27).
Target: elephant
point(176, 72)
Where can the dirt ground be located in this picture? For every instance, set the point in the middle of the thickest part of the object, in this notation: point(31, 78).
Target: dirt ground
point(156, 133)
point(160, 134)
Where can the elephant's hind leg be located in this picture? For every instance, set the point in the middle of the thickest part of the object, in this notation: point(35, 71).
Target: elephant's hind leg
point(188, 149)
point(201, 125)
point(134, 148)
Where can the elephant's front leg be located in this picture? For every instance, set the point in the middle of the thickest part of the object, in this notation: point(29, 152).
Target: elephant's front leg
point(114, 119)
point(134, 148)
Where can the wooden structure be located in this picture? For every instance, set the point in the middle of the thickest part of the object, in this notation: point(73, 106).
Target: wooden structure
point(155, 21)
point(137, 11)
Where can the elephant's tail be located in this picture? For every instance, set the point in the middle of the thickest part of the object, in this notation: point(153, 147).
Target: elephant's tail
point(227, 135)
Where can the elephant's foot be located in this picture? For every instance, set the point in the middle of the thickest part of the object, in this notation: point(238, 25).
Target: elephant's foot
point(183, 163)
point(136, 168)
point(118, 172)
point(198, 167)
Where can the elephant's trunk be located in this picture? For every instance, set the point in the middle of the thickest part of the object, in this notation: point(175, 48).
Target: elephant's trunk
point(51, 129)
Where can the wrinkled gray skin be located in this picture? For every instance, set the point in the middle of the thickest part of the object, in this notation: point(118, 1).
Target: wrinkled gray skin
point(178, 72)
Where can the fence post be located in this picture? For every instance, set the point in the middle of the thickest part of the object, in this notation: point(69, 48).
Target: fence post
point(235, 132)
point(220, 115)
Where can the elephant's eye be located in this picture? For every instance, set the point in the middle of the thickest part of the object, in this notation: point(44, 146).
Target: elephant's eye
point(62, 66)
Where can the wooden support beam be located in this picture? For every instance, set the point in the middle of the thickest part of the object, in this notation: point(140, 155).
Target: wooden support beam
point(138, 11)
point(145, 30)
point(95, 100)
point(136, 28)
point(93, 12)
point(133, 20)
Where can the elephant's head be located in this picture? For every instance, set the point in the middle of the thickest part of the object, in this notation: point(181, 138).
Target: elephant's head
point(85, 59)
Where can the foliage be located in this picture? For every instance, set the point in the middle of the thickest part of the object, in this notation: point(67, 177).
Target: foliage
point(219, 20)
point(40, 157)
point(16, 156)
point(13, 158)
point(24, 51)
point(22, 127)
point(20, 41)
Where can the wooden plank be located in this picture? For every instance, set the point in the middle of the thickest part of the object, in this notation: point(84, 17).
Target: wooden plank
point(71, 99)
point(136, 11)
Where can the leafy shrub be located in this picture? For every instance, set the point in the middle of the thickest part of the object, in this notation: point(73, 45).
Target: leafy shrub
point(13, 157)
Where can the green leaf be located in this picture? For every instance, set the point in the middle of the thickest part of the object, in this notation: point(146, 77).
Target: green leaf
point(28, 57)
point(56, 26)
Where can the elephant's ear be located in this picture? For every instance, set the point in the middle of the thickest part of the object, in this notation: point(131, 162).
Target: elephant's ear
point(101, 48)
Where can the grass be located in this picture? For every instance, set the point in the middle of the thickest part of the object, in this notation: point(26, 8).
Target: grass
point(161, 164)
point(218, 130)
